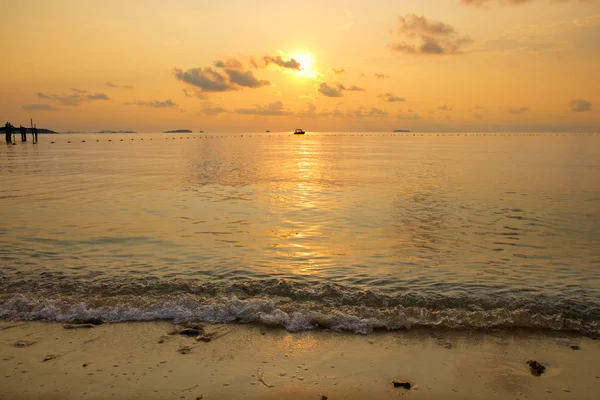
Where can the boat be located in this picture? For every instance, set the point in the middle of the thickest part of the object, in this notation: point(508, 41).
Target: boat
point(299, 132)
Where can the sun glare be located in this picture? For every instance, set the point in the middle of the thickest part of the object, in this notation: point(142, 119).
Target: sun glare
point(306, 61)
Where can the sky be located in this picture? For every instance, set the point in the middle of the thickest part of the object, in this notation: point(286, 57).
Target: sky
point(320, 65)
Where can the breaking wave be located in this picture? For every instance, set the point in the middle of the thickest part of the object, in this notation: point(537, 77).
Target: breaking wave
point(294, 306)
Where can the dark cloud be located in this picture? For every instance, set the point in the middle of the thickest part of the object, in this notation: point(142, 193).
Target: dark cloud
point(283, 64)
point(436, 38)
point(579, 105)
point(352, 88)
point(245, 79)
point(381, 76)
point(390, 98)
point(39, 107)
point(75, 98)
point(97, 96)
point(154, 103)
point(112, 85)
point(444, 108)
point(225, 76)
point(517, 110)
point(232, 63)
point(329, 91)
point(210, 108)
point(271, 109)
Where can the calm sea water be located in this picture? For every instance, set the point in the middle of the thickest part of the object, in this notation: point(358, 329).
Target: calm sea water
point(347, 231)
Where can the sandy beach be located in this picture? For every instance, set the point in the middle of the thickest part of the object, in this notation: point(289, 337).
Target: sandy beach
point(142, 360)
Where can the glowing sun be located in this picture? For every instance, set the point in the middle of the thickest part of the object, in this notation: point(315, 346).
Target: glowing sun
point(306, 61)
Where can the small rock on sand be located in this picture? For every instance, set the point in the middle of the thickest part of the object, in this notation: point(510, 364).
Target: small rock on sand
point(536, 368)
point(23, 343)
point(401, 383)
point(49, 357)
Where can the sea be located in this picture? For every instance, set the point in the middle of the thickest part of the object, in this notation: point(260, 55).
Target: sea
point(348, 231)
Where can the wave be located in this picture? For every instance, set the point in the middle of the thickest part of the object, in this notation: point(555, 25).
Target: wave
point(294, 306)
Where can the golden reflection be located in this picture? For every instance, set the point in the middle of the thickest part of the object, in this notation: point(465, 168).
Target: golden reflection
point(298, 343)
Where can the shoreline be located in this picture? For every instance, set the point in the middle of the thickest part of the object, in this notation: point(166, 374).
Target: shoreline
point(141, 360)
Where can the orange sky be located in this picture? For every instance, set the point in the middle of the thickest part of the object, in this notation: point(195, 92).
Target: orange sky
point(249, 66)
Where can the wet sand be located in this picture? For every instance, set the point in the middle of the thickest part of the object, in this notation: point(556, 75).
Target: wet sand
point(141, 360)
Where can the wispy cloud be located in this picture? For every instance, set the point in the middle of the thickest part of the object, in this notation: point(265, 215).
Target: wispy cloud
point(362, 112)
point(337, 71)
point(210, 108)
point(336, 91)
point(112, 85)
point(517, 110)
point(390, 98)
point(154, 103)
point(579, 105)
point(409, 116)
point(75, 98)
point(271, 109)
point(39, 107)
point(290, 63)
point(444, 108)
point(381, 76)
point(349, 22)
point(436, 38)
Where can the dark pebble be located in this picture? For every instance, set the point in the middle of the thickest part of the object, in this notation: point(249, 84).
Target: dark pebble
point(536, 368)
point(401, 383)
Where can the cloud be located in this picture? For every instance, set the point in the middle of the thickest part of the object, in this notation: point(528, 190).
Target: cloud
point(352, 88)
point(444, 108)
point(436, 38)
point(329, 91)
point(517, 110)
point(390, 98)
point(372, 113)
point(337, 71)
point(75, 98)
point(210, 108)
point(336, 91)
point(579, 105)
point(39, 107)
point(381, 76)
point(271, 109)
point(232, 63)
point(290, 63)
point(98, 96)
point(154, 104)
point(224, 76)
point(410, 116)
point(478, 108)
point(112, 85)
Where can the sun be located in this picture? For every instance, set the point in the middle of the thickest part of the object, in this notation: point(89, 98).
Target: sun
point(306, 61)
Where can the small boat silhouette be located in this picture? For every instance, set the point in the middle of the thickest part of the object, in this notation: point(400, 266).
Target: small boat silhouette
point(299, 132)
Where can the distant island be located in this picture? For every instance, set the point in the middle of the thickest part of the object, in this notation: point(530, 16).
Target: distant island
point(401, 130)
point(179, 131)
point(108, 131)
point(28, 130)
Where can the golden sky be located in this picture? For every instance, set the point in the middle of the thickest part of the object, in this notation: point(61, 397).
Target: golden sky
point(323, 65)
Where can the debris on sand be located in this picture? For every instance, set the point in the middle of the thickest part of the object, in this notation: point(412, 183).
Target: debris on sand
point(261, 379)
point(90, 321)
point(402, 384)
point(323, 397)
point(23, 343)
point(537, 369)
point(184, 349)
point(49, 357)
point(575, 347)
point(78, 326)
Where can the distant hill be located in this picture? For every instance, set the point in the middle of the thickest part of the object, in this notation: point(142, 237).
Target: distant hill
point(401, 130)
point(39, 130)
point(179, 131)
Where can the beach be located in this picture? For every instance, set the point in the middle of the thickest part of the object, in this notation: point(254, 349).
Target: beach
point(142, 360)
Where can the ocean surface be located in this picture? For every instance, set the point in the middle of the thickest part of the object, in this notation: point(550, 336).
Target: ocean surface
point(346, 231)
